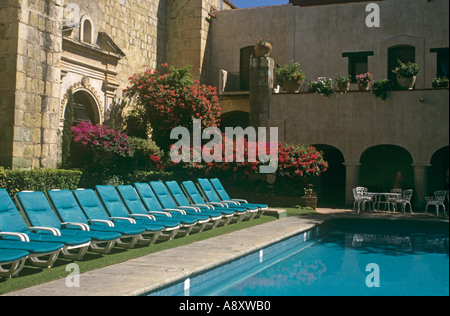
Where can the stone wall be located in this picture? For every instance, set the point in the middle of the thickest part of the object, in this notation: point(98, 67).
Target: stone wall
point(136, 27)
point(32, 109)
point(188, 28)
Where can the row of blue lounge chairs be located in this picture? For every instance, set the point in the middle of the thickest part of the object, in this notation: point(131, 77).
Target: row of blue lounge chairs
point(43, 225)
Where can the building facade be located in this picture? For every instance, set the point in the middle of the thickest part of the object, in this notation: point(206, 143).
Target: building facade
point(93, 47)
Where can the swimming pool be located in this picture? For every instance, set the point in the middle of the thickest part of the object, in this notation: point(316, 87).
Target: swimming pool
point(342, 257)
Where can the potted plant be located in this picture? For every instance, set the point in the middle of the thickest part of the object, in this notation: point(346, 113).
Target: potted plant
point(364, 80)
point(309, 199)
point(343, 83)
point(440, 82)
point(263, 47)
point(406, 74)
point(381, 87)
point(292, 76)
point(322, 85)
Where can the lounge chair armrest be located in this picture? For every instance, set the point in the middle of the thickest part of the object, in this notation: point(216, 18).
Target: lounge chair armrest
point(202, 205)
point(21, 236)
point(78, 225)
point(232, 202)
point(240, 200)
point(218, 204)
point(175, 210)
point(190, 208)
point(162, 213)
point(124, 219)
point(143, 216)
point(102, 221)
point(54, 231)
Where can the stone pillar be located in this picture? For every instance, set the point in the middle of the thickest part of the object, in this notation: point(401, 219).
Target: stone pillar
point(351, 180)
point(420, 184)
point(261, 85)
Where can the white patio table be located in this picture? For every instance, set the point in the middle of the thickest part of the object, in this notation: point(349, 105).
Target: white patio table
point(378, 198)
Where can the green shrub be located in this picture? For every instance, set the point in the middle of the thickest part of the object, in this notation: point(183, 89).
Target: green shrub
point(39, 179)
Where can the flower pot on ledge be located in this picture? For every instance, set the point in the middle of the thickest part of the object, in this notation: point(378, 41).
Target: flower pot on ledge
point(292, 85)
point(344, 87)
point(364, 86)
point(309, 201)
point(406, 82)
point(263, 49)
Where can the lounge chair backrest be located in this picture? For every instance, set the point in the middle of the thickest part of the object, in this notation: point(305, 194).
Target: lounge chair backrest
point(148, 197)
point(67, 206)
point(208, 190)
point(37, 209)
point(112, 201)
point(163, 194)
point(91, 205)
point(177, 193)
point(131, 199)
point(10, 218)
point(220, 189)
point(193, 192)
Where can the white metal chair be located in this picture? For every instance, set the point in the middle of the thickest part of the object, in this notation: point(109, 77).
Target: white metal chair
point(363, 191)
point(405, 199)
point(360, 199)
point(437, 200)
point(393, 200)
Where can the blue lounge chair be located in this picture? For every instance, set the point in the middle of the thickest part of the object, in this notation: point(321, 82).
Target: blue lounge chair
point(212, 196)
point(222, 215)
point(135, 206)
point(41, 254)
point(222, 193)
point(39, 212)
point(94, 209)
point(68, 210)
point(117, 209)
point(154, 207)
point(194, 194)
point(167, 201)
point(11, 262)
point(11, 222)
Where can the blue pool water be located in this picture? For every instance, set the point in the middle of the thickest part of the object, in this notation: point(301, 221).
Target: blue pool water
point(351, 257)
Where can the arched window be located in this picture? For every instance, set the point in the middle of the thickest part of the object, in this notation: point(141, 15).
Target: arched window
point(86, 30)
point(404, 53)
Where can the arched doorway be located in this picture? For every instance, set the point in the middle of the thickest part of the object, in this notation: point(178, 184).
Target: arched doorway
point(438, 173)
point(380, 166)
point(330, 185)
point(234, 119)
point(85, 108)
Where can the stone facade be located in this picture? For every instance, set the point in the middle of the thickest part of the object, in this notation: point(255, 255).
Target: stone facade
point(91, 47)
point(30, 87)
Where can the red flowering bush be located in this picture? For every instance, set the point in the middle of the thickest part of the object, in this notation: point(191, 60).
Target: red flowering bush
point(165, 101)
point(300, 160)
point(102, 142)
point(295, 162)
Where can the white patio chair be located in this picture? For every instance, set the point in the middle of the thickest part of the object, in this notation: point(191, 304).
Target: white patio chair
point(405, 199)
point(437, 200)
point(363, 192)
point(393, 200)
point(360, 199)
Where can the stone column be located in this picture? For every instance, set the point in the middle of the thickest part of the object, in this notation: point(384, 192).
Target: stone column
point(420, 184)
point(261, 84)
point(351, 180)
